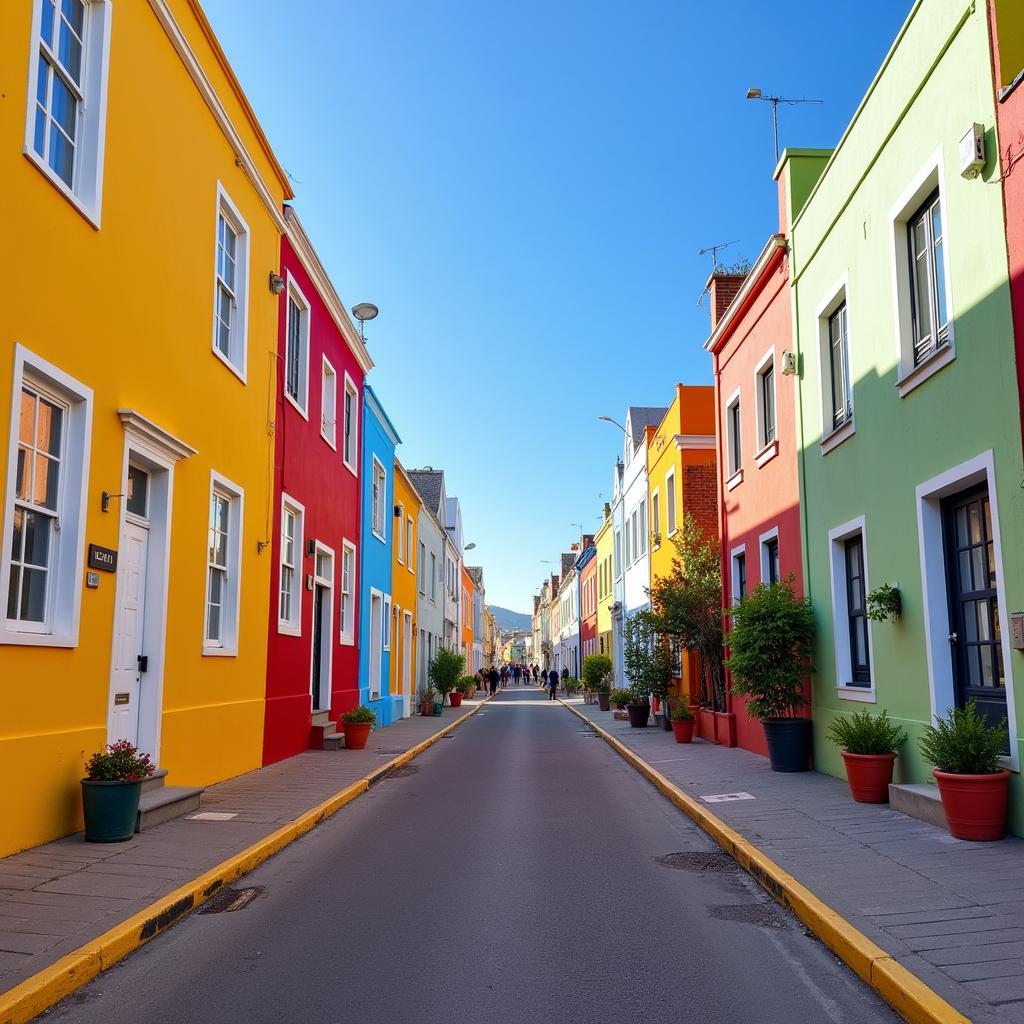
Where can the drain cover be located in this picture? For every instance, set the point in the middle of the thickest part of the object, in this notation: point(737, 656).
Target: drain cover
point(228, 900)
point(765, 915)
point(403, 771)
point(697, 861)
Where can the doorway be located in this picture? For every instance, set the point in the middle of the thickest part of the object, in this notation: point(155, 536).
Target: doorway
point(321, 660)
point(407, 635)
point(376, 641)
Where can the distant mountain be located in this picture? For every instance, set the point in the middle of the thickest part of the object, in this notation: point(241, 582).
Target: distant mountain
point(509, 620)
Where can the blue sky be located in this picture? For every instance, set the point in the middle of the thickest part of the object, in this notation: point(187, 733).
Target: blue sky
point(522, 189)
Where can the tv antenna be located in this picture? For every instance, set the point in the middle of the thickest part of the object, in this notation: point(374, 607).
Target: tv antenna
point(713, 249)
point(755, 94)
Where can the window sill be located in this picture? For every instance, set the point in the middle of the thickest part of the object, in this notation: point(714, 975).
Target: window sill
point(329, 441)
point(295, 405)
point(287, 629)
point(92, 216)
point(919, 374)
point(838, 436)
point(17, 638)
point(861, 694)
point(766, 454)
point(347, 641)
point(734, 481)
point(240, 374)
point(220, 652)
point(352, 469)
point(379, 536)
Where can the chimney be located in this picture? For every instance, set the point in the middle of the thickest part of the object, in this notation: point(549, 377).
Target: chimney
point(607, 510)
point(723, 288)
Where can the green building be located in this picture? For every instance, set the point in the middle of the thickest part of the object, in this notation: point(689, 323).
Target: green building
point(909, 415)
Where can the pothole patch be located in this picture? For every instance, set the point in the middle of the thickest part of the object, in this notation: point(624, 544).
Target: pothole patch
point(403, 772)
point(764, 915)
point(695, 860)
point(229, 900)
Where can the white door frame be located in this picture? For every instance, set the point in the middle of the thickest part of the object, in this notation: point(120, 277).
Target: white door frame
point(326, 632)
point(375, 661)
point(406, 664)
point(157, 451)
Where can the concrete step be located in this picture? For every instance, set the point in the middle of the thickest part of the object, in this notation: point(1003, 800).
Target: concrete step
point(155, 781)
point(320, 733)
point(335, 741)
point(918, 800)
point(166, 802)
point(320, 717)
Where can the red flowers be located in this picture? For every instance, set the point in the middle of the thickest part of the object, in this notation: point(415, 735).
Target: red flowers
point(119, 762)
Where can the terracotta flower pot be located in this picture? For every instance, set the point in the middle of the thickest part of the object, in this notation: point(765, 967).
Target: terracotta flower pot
point(456, 698)
point(869, 776)
point(426, 708)
point(356, 734)
point(975, 805)
point(683, 730)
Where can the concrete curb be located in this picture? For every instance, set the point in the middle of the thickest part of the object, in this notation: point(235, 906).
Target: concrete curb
point(52, 984)
point(910, 997)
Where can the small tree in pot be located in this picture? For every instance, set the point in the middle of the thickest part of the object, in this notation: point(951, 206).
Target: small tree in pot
point(444, 671)
point(111, 792)
point(965, 750)
point(868, 745)
point(648, 666)
point(597, 675)
point(681, 719)
point(769, 657)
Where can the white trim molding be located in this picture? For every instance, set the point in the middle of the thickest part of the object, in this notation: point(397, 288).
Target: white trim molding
point(294, 293)
point(231, 605)
point(837, 537)
point(762, 553)
point(292, 626)
point(169, 446)
point(692, 442)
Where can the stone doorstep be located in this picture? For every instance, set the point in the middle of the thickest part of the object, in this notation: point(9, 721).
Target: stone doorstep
point(918, 800)
point(161, 803)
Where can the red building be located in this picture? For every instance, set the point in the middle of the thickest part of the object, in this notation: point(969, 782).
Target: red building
point(758, 482)
point(312, 657)
point(588, 602)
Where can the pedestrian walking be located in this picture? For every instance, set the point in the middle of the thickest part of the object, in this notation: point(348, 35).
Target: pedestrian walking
point(492, 678)
point(552, 684)
point(534, 673)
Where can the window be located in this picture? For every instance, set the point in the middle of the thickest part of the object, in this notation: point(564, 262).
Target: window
point(385, 626)
point(351, 425)
point(230, 310)
point(839, 367)
point(770, 558)
point(764, 380)
point(433, 576)
point(618, 553)
point(670, 502)
point(741, 576)
point(44, 510)
point(68, 85)
point(348, 600)
point(329, 404)
point(642, 528)
point(289, 615)
point(378, 500)
point(655, 518)
point(856, 612)
point(733, 435)
point(400, 538)
point(420, 566)
point(223, 568)
point(296, 352)
point(409, 541)
point(928, 302)
point(629, 541)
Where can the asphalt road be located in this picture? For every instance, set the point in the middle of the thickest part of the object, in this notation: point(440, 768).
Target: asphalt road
point(513, 877)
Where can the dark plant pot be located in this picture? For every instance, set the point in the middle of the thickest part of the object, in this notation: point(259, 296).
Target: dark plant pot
point(975, 805)
point(789, 743)
point(356, 734)
point(666, 723)
point(869, 776)
point(683, 731)
point(438, 708)
point(426, 708)
point(602, 701)
point(659, 721)
point(639, 715)
point(707, 724)
point(456, 699)
point(110, 810)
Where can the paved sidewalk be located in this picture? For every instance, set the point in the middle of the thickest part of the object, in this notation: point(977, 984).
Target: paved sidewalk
point(57, 896)
point(951, 912)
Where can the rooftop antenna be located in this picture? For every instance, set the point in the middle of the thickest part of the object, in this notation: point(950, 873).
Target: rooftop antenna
point(754, 93)
point(713, 250)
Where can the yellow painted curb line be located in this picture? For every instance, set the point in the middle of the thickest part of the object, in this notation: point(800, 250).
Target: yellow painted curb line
point(52, 984)
point(910, 997)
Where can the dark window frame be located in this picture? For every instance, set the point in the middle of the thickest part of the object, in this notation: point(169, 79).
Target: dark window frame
point(925, 342)
point(840, 413)
point(860, 672)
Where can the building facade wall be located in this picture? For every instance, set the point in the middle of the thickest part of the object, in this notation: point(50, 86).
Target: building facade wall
point(405, 552)
point(430, 593)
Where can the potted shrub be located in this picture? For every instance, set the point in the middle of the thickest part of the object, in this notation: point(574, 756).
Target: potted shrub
point(356, 724)
point(965, 750)
point(769, 657)
point(444, 671)
point(597, 675)
point(868, 744)
point(465, 690)
point(618, 699)
point(682, 720)
point(648, 665)
point(425, 699)
point(572, 686)
point(111, 791)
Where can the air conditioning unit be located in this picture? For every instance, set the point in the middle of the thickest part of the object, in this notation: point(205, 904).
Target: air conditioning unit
point(788, 364)
point(972, 152)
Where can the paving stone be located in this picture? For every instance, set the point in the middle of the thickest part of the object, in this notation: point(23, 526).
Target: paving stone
point(975, 954)
point(21, 882)
point(25, 942)
point(986, 969)
point(114, 886)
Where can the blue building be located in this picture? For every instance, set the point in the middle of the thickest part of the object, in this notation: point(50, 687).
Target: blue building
point(375, 617)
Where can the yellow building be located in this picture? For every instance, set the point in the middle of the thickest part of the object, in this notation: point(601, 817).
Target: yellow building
point(137, 347)
point(604, 542)
point(405, 552)
point(681, 479)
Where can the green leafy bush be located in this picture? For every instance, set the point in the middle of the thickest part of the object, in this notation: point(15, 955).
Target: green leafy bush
point(445, 670)
point(597, 673)
point(884, 603)
point(679, 711)
point(963, 743)
point(619, 698)
point(647, 660)
point(865, 733)
point(467, 685)
point(770, 649)
point(359, 716)
point(119, 762)
point(571, 685)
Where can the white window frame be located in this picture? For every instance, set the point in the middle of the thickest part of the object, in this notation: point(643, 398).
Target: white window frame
point(837, 538)
point(641, 526)
point(385, 625)
point(329, 379)
point(291, 626)
point(767, 448)
point(733, 444)
point(433, 577)
point(85, 193)
point(734, 574)
point(929, 178)
point(762, 547)
point(400, 534)
point(617, 553)
point(67, 557)
point(231, 604)
point(293, 293)
point(347, 613)
point(831, 436)
point(655, 519)
point(382, 494)
point(240, 329)
point(350, 390)
point(410, 541)
point(671, 518)
point(421, 566)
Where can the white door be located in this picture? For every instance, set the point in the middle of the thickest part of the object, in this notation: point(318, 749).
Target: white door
point(129, 633)
point(376, 643)
point(407, 666)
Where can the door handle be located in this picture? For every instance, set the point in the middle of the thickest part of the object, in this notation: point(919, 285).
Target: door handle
point(952, 638)
point(143, 662)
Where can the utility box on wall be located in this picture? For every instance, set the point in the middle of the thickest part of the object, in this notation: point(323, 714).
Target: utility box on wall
point(1017, 630)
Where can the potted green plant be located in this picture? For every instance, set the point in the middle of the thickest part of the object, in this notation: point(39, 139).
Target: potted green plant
point(868, 744)
point(356, 724)
point(618, 699)
point(597, 674)
point(769, 658)
point(425, 699)
point(572, 686)
point(111, 791)
point(465, 690)
point(682, 720)
point(884, 603)
point(647, 663)
point(965, 750)
point(444, 671)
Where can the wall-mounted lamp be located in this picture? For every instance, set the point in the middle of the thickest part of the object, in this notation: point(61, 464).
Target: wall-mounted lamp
point(106, 498)
point(276, 283)
point(364, 311)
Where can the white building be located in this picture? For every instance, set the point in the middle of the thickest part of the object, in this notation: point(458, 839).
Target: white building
point(431, 597)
